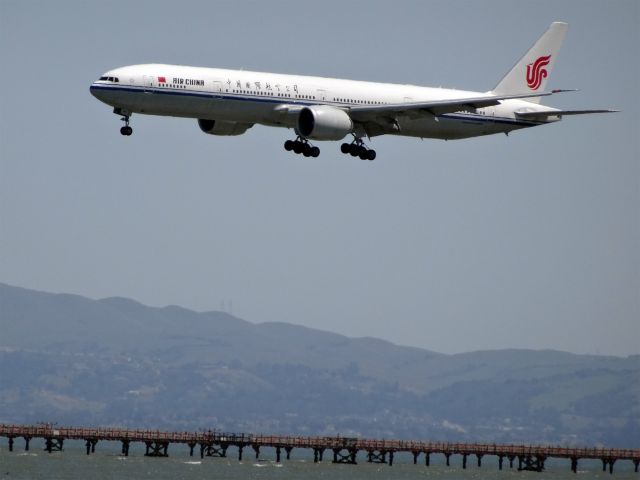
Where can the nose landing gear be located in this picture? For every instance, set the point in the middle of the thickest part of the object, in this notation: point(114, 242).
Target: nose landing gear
point(301, 146)
point(126, 130)
point(357, 148)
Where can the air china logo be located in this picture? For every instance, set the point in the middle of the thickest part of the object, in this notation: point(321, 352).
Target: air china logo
point(535, 72)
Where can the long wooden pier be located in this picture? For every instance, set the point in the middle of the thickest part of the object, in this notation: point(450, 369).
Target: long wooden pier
point(342, 449)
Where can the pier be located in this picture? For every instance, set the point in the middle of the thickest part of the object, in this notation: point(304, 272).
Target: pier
point(336, 449)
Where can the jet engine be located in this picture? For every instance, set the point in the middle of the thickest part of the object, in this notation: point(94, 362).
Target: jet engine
point(222, 127)
point(322, 122)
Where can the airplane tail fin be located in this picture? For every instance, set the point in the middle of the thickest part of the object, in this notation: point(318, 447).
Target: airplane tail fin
point(531, 72)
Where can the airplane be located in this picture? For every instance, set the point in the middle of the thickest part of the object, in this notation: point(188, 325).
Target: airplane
point(229, 102)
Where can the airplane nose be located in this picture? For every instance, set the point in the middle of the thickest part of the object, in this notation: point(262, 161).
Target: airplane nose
point(100, 93)
point(94, 91)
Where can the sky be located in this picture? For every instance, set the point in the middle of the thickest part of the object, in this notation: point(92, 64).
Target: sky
point(525, 241)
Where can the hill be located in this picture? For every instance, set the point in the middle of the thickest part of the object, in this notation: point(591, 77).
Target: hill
point(74, 360)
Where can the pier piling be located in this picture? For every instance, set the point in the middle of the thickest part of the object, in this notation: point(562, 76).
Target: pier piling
point(345, 450)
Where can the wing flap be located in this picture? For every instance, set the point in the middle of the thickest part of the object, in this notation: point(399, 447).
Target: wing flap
point(558, 113)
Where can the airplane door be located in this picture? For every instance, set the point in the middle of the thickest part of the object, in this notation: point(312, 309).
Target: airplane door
point(322, 95)
point(217, 88)
point(147, 83)
point(216, 102)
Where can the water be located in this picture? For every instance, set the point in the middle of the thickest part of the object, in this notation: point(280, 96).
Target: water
point(107, 463)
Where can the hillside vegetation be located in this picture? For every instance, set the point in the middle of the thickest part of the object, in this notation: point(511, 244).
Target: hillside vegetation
point(74, 360)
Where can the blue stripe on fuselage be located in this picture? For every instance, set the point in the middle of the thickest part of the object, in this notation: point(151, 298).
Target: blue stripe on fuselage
point(463, 117)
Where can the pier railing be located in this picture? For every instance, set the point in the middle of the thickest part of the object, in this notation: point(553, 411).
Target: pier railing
point(344, 449)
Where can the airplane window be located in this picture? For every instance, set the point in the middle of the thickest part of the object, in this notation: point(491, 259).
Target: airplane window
point(103, 78)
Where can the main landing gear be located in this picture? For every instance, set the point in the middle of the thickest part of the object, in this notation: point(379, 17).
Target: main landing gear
point(301, 146)
point(357, 148)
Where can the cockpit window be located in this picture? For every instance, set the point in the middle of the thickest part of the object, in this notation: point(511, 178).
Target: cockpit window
point(103, 78)
point(111, 79)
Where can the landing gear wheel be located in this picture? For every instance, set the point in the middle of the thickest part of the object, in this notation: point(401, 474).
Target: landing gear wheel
point(357, 148)
point(126, 130)
point(302, 146)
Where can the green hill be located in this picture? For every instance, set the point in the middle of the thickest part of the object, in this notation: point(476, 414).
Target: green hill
point(74, 360)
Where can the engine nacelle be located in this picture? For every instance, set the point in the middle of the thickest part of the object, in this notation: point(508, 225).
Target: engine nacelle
point(222, 127)
point(322, 122)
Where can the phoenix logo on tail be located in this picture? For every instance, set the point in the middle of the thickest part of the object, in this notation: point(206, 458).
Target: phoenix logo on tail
point(535, 72)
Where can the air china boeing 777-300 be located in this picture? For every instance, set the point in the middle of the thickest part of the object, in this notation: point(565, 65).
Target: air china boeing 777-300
point(228, 102)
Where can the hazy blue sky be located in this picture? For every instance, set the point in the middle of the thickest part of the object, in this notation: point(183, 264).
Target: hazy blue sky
point(531, 240)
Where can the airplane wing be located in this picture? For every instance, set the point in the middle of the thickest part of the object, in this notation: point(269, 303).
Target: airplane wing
point(542, 116)
point(367, 113)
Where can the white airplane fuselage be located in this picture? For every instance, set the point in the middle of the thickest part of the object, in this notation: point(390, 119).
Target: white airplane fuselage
point(271, 99)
